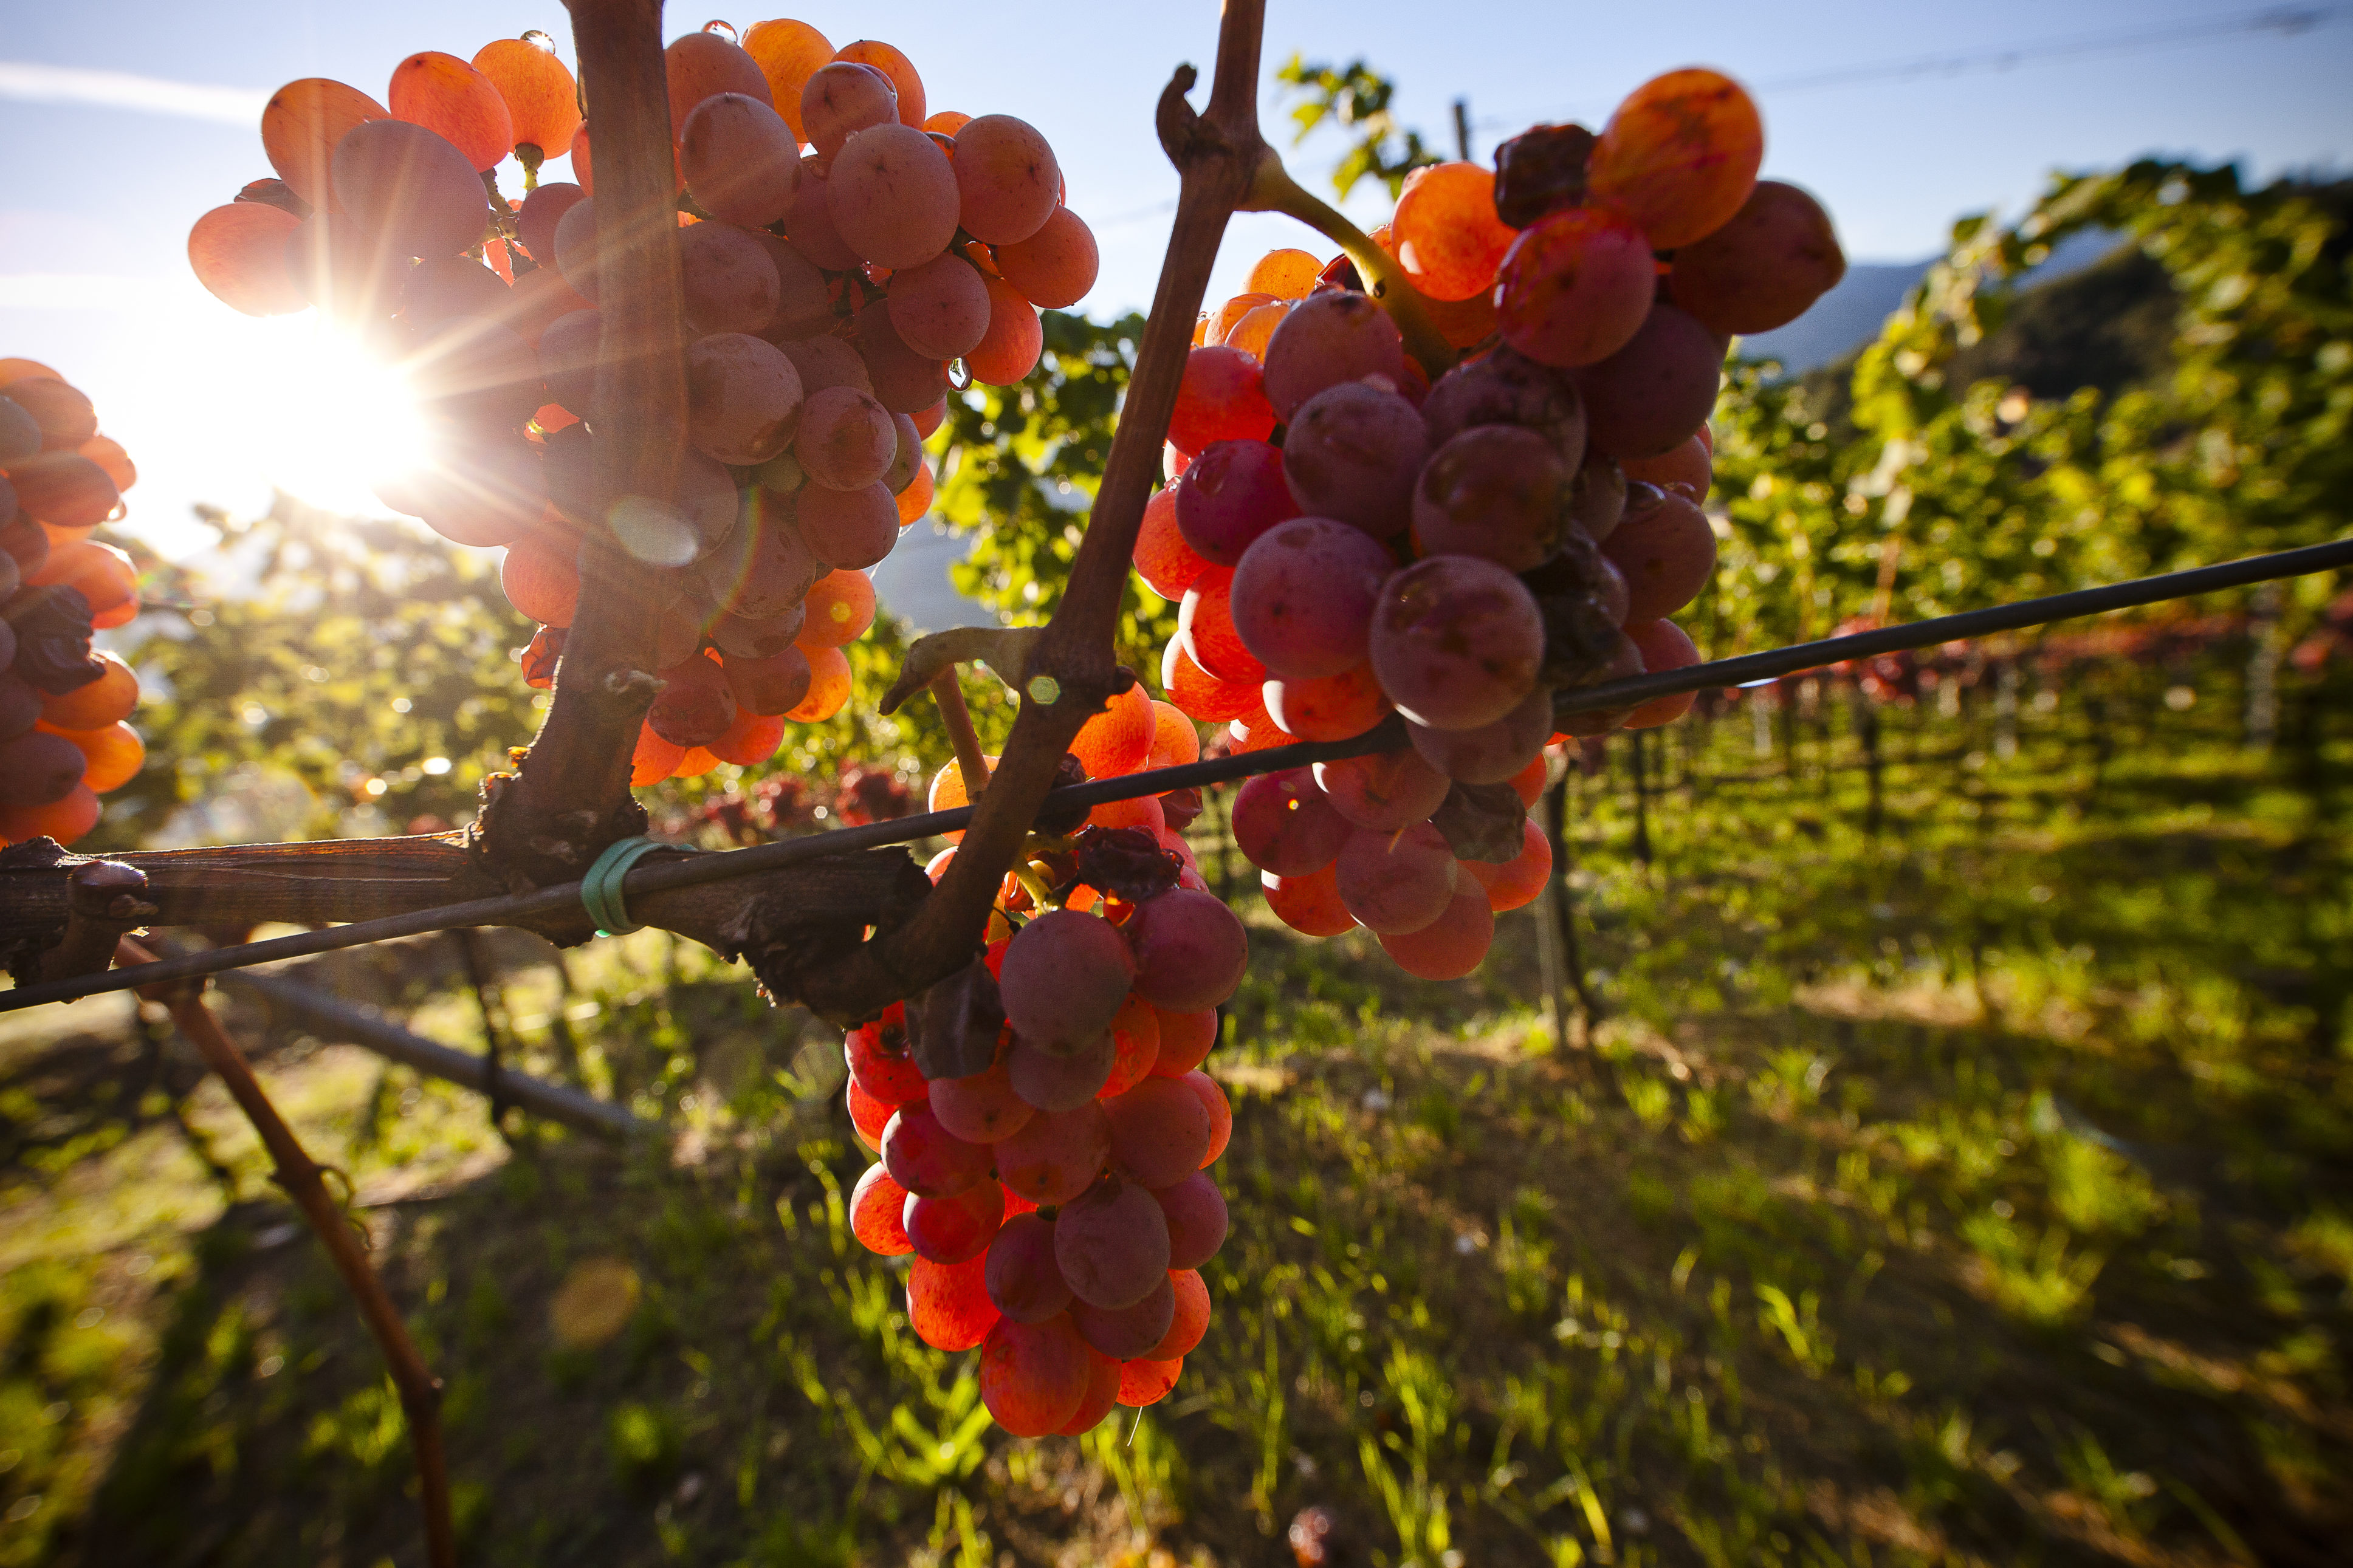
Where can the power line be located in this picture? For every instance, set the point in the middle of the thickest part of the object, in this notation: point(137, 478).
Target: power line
point(693, 870)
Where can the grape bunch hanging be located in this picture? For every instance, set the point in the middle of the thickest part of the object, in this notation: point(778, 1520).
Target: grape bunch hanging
point(63, 740)
point(1351, 532)
point(843, 250)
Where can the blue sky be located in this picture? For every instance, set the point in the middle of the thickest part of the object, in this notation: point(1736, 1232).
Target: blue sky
point(97, 197)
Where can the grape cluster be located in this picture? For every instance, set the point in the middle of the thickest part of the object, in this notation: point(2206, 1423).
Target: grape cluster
point(842, 251)
point(1058, 1203)
point(1350, 531)
point(63, 741)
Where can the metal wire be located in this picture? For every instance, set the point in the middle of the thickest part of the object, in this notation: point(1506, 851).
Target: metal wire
point(695, 870)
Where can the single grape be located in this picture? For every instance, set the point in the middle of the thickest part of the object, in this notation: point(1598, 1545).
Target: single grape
point(788, 53)
point(1763, 268)
point(926, 1158)
point(1384, 791)
point(1056, 1154)
point(1060, 1080)
point(1679, 155)
point(1301, 601)
point(1352, 453)
point(743, 398)
point(726, 281)
point(876, 1205)
point(1033, 1375)
point(1516, 882)
point(893, 194)
point(409, 188)
point(1456, 641)
point(300, 127)
point(840, 608)
point(1308, 905)
point(700, 66)
point(826, 362)
point(741, 161)
point(1396, 882)
point(1206, 631)
point(1194, 1208)
point(948, 1305)
point(1135, 1044)
point(1055, 266)
point(955, 1229)
point(1010, 350)
point(804, 298)
point(847, 440)
point(810, 223)
point(695, 705)
point(1143, 1382)
point(940, 307)
point(577, 248)
point(39, 768)
point(1497, 491)
point(1188, 1323)
point(1186, 1038)
point(1686, 470)
point(1221, 397)
point(1666, 549)
point(851, 530)
point(1656, 392)
point(449, 97)
point(1575, 287)
point(540, 581)
point(898, 68)
point(238, 252)
point(1160, 1130)
point(1283, 823)
point(1283, 274)
point(1008, 181)
point(1117, 741)
point(903, 380)
point(983, 1106)
point(1199, 695)
point(1023, 1280)
point(829, 683)
point(1331, 338)
point(1492, 753)
point(1450, 946)
point(1063, 980)
point(438, 291)
point(1222, 1114)
point(1334, 707)
point(1190, 951)
point(1600, 501)
point(1164, 559)
point(764, 572)
point(484, 492)
point(543, 101)
point(1233, 492)
point(1447, 236)
point(1128, 1332)
point(1111, 1243)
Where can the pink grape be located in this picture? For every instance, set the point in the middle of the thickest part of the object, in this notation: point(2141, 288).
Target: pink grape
point(825, 363)
point(1064, 977)
point(1384, 791)
point(810, 223)
point(725, 278)
point(1190, 1320)
point(955, 1229)
point(1650, 396)
point(804, 302)
point(1007, 177)
point(1456, 641)
point(1492, 753)
point(1284, 823)
point(1303, 598)
point(1666, 549)
point(1135, 1046)
point(924, 1157)
point(1598, 500)
point(1196, 1213)
point(1127, 1332)
point(1326, 340)
point(1230, 494)
point(1190, 950)
point(1664, 646)
point(1506, 387)
point(847, 440)
point(1159, 1131)
point(948, 1305)
point(568, 352)
point(1352, 453)
point(743, 398)
point(541, 211)
point(1186, 1040)
point(1450, 946)
point(1221, 397)
point(1055, 266)
point(1308, 905)
point(764, 572)
point(843, 97)
point(981, 1108)
point(1111, 1243)
point(876, 1205)
point(1398, 882)
point(1763, 268)
point(1497, 491)
point(940, 307)
point(1034, 1375)
point(412, 190)
point(904, 380)
point(1055, 1080)
point(578, 249)
point(1022, 1277)
point(907, 459)
point(1574, 288)
point(851, 530)
point(1055, 1154)
point(740, 159)
point(893, 194)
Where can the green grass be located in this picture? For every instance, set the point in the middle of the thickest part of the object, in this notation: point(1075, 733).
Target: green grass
point(1975, 1193)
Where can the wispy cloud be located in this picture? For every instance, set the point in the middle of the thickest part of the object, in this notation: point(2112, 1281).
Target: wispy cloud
point(77, 291)
point(32, 82)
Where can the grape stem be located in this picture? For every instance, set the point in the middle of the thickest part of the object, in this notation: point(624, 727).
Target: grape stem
point(972, 762)
point(1273, 190)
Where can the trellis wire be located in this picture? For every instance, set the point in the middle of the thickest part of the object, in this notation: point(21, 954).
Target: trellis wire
point(693, 870)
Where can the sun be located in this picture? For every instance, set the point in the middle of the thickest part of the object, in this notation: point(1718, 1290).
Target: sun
point(329, 419)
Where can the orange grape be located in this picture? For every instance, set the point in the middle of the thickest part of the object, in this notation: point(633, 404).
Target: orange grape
point(16, 369)
point(897, 68)
point(1446, 233)
point(1462, 322)
point(1143, 1382)
point(1118, 740)
point(1054, 266)
point(946, 122)
point(947, 792)
point(1256, 327)
point(787, 53)
point(107, 454)
point(704, 65)
point(108, 700)
point(752, 739)
point(693, 763)
point(542, 581)
point(300, 127)
point(1679, 156)
point(543, 102)
point(840, 606)
point(63, 820)
point(580, 159)
point(1222, 319)
point(917, 498)
point(1174, 740)
point(103, 574)
point(238, 252)
point(1009, 181)
point(1142, 811)
point(1283, 274)
point(114, 753)
point(455, 101)
point(64, 489)
point(1009, 352)
point(655, 758)
point(828, 686)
